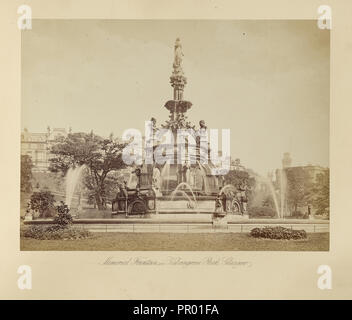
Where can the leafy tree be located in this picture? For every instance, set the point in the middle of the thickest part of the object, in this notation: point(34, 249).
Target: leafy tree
point(321, 189)
point(111, 187)
point(101, 157)
point(299, 187)
point(236, 177)
point(42, 202)
point(26, 173)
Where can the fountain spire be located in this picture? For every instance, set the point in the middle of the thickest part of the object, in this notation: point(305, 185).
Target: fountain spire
point(177, 79)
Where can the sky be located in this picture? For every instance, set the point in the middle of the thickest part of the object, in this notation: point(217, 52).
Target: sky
point(267, 81)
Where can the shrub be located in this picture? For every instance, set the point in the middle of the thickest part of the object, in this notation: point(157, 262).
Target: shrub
point(261, 212)
point(63, 217)
point(278, 233)
point(61, 229)
point(42, 202)
point(54, 232)
point(32, 232)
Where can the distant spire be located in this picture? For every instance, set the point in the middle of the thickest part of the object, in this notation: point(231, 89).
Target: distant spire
point(286, 160)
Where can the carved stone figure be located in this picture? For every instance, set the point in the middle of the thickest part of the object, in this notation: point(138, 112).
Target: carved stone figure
point(153, 120)
point(192, 177)
point(124, 189)
point(178, 55)
point(156, 178)
point(188, 173)
point(242, 189)
point(218, 204)
point(202, 124)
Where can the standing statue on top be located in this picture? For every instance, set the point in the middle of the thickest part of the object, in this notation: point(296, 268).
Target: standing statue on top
point(178, 57)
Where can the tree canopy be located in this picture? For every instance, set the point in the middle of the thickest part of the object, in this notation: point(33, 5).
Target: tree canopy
point(299, 187)
point(321, 188)
point(26, 173)
point(237, 177)
point(100, 156)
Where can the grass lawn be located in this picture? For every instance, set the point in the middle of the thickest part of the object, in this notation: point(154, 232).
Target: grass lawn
point(178, 242)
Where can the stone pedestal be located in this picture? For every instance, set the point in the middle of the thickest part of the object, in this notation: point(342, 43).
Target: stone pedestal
point(219, 223)
point(237, 217)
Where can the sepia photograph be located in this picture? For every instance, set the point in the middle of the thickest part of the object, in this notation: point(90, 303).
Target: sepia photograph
point(175, 135)
point(180, 158)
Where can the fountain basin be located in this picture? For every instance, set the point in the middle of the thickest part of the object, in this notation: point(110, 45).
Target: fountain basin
point(182, 205)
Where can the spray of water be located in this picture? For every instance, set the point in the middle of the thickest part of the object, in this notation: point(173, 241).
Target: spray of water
point(228, 186)
point(73, 176)
point(165, 174)
point(206, 183)
point(132, 181)
point(283, 183)
point(183, 193)
point(273, 194)
point(184, 184)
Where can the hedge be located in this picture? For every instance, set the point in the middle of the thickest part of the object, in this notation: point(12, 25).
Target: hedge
point(278, 233)
point(54, 232)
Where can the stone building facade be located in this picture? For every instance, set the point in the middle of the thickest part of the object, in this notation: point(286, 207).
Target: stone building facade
point(37, 146)
point(236, 165)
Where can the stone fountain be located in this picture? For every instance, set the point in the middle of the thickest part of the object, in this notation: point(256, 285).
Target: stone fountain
point(186, 184)
point(187, 168)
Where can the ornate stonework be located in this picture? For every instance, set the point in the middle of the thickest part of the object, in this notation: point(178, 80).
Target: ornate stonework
point(177, 79)
point(178, 106)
